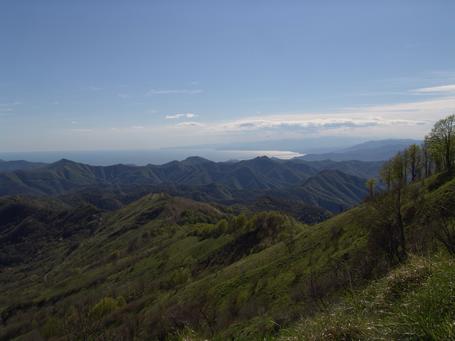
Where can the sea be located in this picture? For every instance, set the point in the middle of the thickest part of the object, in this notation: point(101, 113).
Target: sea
point(144, 157)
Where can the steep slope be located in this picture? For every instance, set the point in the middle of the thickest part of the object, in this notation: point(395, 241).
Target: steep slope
point(298, 209)
point(333, 190)
point(330, 190)
point(28, 226)
point(413, 301)
point(165, 266)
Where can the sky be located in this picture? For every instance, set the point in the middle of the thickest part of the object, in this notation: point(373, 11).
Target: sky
point(119, 75)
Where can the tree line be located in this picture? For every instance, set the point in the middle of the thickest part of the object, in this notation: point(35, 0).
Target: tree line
point(436, 154)
point(417, 162)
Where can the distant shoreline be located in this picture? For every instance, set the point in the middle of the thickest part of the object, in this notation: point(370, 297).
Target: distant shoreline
point(144, 157)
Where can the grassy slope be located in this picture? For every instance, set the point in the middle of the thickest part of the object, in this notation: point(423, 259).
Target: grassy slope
point(414, 301)
point(161, 253)
point(178, 271)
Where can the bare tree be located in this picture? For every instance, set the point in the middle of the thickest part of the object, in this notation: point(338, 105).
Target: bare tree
point(442, 141)
point(414, 160)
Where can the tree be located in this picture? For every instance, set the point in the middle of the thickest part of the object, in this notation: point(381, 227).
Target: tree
point(427, 162)
point(399, 181)
point(371, 183)
point(393, 174)
point(386, 175)
point(414, 159)
point(398, 171)
point(442, 142)
point(384, 236)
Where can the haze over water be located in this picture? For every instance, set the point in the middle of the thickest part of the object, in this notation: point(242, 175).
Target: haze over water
point(143, 157)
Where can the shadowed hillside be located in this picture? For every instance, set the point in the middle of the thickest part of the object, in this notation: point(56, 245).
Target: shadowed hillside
point(227, 183)
point(166, 266)
point(260, 173)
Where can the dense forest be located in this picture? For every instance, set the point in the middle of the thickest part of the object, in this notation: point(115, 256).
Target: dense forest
point(163, 265)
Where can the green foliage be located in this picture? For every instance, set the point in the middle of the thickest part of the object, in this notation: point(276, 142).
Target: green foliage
point(441, 141)
point(371, 183)
point(106, 306)
point(415, 301)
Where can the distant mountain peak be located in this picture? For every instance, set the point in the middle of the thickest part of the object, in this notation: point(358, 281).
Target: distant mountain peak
point(195, 160)
point(262, 158)
point(63, 162)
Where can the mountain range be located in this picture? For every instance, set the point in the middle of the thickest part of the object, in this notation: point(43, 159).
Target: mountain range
point(332, 186)
point(379, 150)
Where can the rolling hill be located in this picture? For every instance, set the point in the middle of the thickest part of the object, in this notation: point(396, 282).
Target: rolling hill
point(166, 267)
point(199, 179)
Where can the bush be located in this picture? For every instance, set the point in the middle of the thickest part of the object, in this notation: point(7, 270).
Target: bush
point(106, 306)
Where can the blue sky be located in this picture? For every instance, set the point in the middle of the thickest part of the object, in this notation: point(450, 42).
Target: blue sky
point(93, 75)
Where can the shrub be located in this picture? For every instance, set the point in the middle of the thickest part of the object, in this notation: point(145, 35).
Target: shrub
point(106, 306)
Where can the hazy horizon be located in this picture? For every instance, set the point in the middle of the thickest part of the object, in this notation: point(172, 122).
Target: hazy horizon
point(217, 153)
point(145, 157)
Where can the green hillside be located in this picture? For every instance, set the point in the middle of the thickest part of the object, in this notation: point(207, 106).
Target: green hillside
point(414, 301)
point(259, 174)
point(165, 266)
point(315, 190)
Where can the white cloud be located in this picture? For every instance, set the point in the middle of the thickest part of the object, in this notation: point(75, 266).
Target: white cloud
point(450, 88)
point(178, 116)
point(190, 124)
point(411, 119)
point(312, 123)
point(153, 92)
